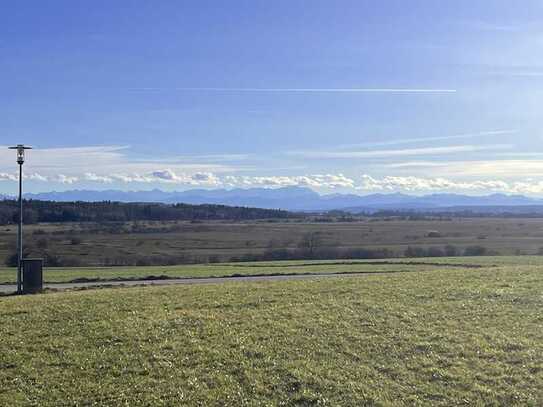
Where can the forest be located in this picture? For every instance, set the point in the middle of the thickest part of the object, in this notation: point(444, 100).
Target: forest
point(48, 211)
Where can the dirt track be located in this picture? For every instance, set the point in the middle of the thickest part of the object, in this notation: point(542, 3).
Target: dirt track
point(11, 288)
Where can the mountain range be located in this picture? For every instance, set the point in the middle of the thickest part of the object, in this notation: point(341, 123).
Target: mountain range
point(295, 199)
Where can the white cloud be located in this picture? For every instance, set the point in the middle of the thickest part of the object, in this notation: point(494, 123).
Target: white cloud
point(419, 184)
point(65, 179)
point(170, 176)
point(110, 165)
point(7, 177)
point(367, 183)
point(400, 152)
point(212, 158)
point(208, 179)
point(428, 139)
point(132, 178)
point(109, 159)
point(410, 183)
point(503, 168)
point(89, 176)
point(329, 181)
point(36, 177)
point(507, 168)
point(166, 175)
point(15, 177)
point(415, 164)
point(315, 180)
point(65, 159)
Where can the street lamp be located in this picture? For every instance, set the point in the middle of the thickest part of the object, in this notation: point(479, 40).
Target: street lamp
point(20, 160)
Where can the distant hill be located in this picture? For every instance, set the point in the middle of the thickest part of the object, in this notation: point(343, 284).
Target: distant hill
point(281, 198)
point(450, 202)
point(294, 199)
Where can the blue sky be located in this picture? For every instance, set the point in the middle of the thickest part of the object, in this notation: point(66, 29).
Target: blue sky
point(341, 96)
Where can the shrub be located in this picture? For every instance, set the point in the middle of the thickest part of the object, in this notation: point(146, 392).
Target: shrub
point(144, 262)
point(74, 241)
point(475, 251)
point(311, 242)
point(275, 254)
point(11, 260)
point(214, 259)
point(52, 260)
point(323, 253)
point(362, 253)
point(69, 262)
point(450, 250)
point(42, 243)
point(413, 251)
point(435, 252)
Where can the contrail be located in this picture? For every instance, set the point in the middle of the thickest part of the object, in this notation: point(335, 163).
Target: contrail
point(306, 90)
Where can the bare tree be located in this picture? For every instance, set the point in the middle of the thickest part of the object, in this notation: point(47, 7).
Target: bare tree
point(311, 242)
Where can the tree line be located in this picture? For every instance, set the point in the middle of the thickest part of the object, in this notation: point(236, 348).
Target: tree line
point(50, 211)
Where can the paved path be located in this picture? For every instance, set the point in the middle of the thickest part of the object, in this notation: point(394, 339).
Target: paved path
point(7, 288)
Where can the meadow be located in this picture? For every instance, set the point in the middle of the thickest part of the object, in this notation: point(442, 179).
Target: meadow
point(180, 242)
point(436, 335)
point(398, 265)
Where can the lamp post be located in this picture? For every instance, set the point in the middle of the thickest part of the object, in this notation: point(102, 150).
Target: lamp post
point(20, 160)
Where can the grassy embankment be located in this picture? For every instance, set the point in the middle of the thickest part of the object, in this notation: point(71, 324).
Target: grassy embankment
point(445, 337)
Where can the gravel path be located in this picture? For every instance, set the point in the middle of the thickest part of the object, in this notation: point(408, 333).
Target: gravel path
point(8, 288)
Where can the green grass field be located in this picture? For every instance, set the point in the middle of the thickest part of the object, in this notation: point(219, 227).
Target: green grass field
point(58, 275)
point(62, 275)
point(442, 336)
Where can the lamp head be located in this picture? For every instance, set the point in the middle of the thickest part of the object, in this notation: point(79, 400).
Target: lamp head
point(20, 152)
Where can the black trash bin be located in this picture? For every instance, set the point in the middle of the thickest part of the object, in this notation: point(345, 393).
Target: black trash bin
point(32, 276)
